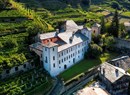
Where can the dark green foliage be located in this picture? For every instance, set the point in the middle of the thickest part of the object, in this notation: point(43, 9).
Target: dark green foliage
point(94, 51)
point(1, 45)
point(10, 43)
point(14, 60)
point(115, 5)
point(3, 4)
point(114, 28)
point(109, 42)
point(103, 27)
point(86, 2)
point(96, 39)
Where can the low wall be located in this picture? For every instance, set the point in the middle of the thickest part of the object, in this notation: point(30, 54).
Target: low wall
point(22, 68)
point(85, 78)
point(121, 43)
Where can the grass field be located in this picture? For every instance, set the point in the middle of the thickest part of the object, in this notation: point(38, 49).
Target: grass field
point(85, 65)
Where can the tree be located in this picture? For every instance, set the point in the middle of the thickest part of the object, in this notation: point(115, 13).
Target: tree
point(96, 39)
point(116, 5)
point(3, 3)
point(114, 28)
point(86, 2)
point(103, 28)
point(109, 42)
point(94, 51)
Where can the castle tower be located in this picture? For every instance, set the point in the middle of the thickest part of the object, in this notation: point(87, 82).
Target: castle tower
point(87, 32)
point(50, 58)
point(96, 29)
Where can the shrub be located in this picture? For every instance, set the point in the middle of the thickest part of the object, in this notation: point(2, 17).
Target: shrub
point(94, 51)
point(10, 43)
point(109, 42)
point(1, 45)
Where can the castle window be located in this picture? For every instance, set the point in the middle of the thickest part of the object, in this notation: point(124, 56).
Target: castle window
point(53, 64)
point(45, 49)
point(53, 57)
point(7, 71)
point(46, 60)
point(59, 61)
point(16, 68)
point(64, 59)
point(53, 49)
point(24, 65)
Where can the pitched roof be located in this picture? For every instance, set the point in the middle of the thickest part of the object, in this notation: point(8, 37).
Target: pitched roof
point(77, 38)
point(47, 35)
point(122, 62)
point(72, 32)
point(112, 73)
point(71, 26)
point(96, 25)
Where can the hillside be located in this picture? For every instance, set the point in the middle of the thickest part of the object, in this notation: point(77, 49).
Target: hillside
point(21, 20)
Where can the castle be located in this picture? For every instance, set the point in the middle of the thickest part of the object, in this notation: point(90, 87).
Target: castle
point(63, 48)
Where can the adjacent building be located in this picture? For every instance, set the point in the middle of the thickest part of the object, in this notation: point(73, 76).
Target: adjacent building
point(63, 48)
point(116, 79)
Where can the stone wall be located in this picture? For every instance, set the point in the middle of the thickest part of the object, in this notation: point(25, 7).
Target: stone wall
point(22, 68)
point(121, 43)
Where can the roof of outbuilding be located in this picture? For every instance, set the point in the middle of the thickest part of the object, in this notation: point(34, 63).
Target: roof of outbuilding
point(122, 62)
point(110, 72)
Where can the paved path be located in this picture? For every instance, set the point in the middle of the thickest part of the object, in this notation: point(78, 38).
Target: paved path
point(57, 88)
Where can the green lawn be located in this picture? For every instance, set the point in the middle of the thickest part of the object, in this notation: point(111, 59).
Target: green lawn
point(85, 65)
point(126, 14)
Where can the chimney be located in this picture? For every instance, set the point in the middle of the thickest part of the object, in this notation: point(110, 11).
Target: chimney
point(117, 72)
point(57, 31)
point(71, 39)
point(103, 71)
point(73, 33)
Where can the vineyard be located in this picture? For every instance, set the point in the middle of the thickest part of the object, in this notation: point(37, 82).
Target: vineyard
point(26, 84)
